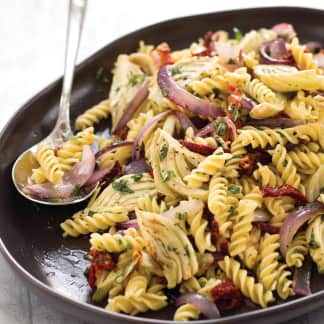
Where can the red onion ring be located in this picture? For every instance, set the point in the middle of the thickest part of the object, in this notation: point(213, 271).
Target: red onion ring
point(302, 278)
point(137, 146)
point(205, 306)
point(113, 147)
point(137, 166)
point(132, 107)
point(295, 221)
point(185, 99)
point(281, 122)
point(276, 47)
point(232, 126)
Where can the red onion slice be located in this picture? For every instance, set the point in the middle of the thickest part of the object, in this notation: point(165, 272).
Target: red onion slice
point(113, 147)
point(78, 176)
point(205, 306)
point(185, 99)
point(137, 166)
point(207, 130)
point(99, 174)
point(302, 278)
point(247, 103)
point(284, 30)
point(232, 126)
point(137, 146)
point(185, 121)
point(276, 47)
point(295, 221)
point(281, 122)
point(129, 224)
point(132, 107)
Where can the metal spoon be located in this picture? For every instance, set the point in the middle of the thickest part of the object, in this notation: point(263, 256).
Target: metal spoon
point(61, 133)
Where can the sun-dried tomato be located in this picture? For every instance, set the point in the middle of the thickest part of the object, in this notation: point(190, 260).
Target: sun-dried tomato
point(198, 148)
point(115, 172)
point(162, 54)
point(249, 162)
point(226, 295)
point(267, 228)
point(214, 231)
point(223, 246)
point(285, 190)
point(100, 260)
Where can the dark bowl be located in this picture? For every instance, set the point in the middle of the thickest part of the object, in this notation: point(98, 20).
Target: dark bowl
point(31, 239)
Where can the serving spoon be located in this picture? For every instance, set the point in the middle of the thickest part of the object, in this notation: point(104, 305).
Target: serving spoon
point(22, 168)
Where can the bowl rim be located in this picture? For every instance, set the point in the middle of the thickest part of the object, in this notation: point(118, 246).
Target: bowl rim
point(60, 297)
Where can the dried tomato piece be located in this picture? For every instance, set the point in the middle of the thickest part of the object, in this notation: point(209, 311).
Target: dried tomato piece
point(115, 172)
point(226, 295)
point(214, 232)
point(198, 148)
point(249, 162)
point(267, 228)
point(285, 190)
point(100, 260)
point(162, 54)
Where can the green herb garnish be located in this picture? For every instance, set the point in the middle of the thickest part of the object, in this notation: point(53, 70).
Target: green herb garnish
point(181, 216)
point(234, 189)
point(176, 70)
point(91, 213)
point(187, 250)
point(221, 128)
point(101, 75)
point(237, 115)
point(313, 244)
point(237, 34)
point(121, 186)
point(165, 92)
point(163, 152)
point(168, 175)
point(137, 177)
point(76, 190)
point(135, 79)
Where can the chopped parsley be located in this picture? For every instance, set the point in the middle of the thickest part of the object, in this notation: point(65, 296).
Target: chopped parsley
point(91, 213)
point(285, 162)
point(187, 251)
point(237, 115)
point(121, 186)
point(313, 244)
point(234, 189)
point(87, 257)
point(168, 175)
point(163, 152)
point(55, 200)
point(101, 75)
point(135, 79)
point(237, 34)
point(165, 92)
point(221, 128)
point(231, 61)
point(231, 211)
point(176, 70)
point(137, 177)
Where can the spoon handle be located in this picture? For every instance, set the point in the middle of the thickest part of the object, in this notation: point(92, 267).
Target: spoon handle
point(77, 11)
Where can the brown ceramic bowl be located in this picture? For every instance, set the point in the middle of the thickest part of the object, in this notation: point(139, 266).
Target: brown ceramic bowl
point(31, 239)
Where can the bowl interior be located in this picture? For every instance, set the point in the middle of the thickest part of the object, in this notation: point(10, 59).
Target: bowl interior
point(31, 232)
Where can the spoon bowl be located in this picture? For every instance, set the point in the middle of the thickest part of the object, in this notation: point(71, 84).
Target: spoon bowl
point(26, 162)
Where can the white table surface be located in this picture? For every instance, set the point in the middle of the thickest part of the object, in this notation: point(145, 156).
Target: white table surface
point(32, 35)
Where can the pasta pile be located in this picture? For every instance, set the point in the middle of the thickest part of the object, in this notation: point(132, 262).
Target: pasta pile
point(198, 216)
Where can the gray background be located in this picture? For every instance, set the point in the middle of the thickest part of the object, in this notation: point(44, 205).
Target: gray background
point(32, 35)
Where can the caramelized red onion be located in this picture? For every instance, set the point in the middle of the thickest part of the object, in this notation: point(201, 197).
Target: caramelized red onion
point(78, 176)
point(281, 122)
point(278, 52)
point(247, 103)
point(183, 98)
point(231, 126)
point(137, 146)
point(132, 107)
point(129, 224)
point(198, 148)
point(295, 221)
point(206, 130)
point(205, 306)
